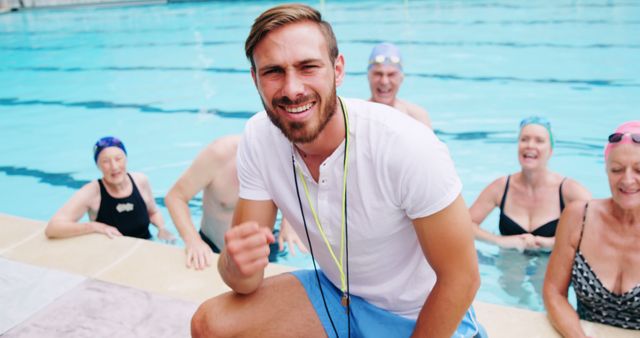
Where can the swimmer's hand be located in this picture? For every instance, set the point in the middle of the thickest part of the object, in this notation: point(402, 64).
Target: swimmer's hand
point(107, 230)
point(199, 254)
point(545, 242)
point(519, 242)
point(291, 237)
point(165, 236)
point(247, 249)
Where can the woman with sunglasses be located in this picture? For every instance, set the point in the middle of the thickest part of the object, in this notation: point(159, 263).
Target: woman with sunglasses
point(598, 247)
point(120, 203)
point(530, 200)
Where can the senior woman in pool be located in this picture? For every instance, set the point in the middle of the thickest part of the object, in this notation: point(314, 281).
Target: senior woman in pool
point(530, 200)
point(598, 247)
point(119, 204)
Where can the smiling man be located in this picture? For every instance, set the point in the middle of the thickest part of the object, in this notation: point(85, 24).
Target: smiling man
point(385, 78)
point(388, 229)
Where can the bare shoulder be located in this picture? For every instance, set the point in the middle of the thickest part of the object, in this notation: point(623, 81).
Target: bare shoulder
point(222, 149)
point(413, 110)
point(92, 187)
point(497, 186)
point(570, 224)
point(574, 191)
point(140, 179)
point(86, 198)
point(89, 192)
point(492, 193)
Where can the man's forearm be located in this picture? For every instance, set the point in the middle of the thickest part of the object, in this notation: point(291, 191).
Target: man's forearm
point(180, 214)
point(446, 306)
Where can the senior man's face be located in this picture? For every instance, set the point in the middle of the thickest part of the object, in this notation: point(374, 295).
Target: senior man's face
point(296, 80)
point(384, 83)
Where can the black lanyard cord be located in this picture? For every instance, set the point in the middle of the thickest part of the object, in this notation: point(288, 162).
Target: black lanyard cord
point(313, 259)
point(346, 229)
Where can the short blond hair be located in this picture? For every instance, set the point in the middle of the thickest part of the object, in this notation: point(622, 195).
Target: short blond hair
point(283, 15)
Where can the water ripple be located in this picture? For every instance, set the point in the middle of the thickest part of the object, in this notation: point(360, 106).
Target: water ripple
point(144, 108)
point(445, 77)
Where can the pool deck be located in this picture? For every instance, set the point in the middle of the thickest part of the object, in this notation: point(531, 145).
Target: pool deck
point(92, 286)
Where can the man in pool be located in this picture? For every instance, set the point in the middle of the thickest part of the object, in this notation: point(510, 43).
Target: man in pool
point(385, 78)
point(214, 173)
point(375, 192)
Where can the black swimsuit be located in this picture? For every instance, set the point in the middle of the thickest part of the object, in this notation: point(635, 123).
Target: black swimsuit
point(129, 215)
point(509, 227)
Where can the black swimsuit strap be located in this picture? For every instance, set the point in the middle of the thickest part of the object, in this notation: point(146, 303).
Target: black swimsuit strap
point(135, 187)
point(560, 192)
point(584, 218)
point(504, 195)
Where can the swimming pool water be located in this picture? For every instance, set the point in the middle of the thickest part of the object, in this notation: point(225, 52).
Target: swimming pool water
point(168, 79)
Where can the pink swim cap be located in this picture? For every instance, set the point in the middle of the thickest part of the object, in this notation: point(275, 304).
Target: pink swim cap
point(629, 127)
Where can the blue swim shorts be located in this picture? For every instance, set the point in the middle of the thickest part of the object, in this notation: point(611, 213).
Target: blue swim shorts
point(367, 320)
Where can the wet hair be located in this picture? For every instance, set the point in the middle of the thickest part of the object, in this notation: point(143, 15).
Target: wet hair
point(280, 16)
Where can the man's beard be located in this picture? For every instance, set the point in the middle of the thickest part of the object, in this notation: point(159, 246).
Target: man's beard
point(295, 131)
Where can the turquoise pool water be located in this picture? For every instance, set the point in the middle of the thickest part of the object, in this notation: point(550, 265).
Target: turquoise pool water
point(168, 79)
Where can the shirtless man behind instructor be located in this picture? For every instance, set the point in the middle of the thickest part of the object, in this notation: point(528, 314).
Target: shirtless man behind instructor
point(214, 173)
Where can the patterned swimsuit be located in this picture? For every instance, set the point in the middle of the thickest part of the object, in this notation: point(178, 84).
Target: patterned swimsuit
point(595, 302)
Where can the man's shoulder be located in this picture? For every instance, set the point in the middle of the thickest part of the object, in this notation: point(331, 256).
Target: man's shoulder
point(371, 111)
point(414, 110)
point(365, 105)
point(409, 106)
point(223, 148)
point(380, 117)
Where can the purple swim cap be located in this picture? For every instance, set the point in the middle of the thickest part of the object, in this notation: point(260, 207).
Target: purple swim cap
point(629, 127)
point(106, 142)
point(385, 53)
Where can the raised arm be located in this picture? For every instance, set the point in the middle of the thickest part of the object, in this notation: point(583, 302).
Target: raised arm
point(155, 216)
point(246, 251)
point(64, 222)
point(200, 174)
point(556, 282)
point(447, 242)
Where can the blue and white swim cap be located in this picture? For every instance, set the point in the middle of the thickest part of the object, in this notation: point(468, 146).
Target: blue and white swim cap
point(385, 53)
